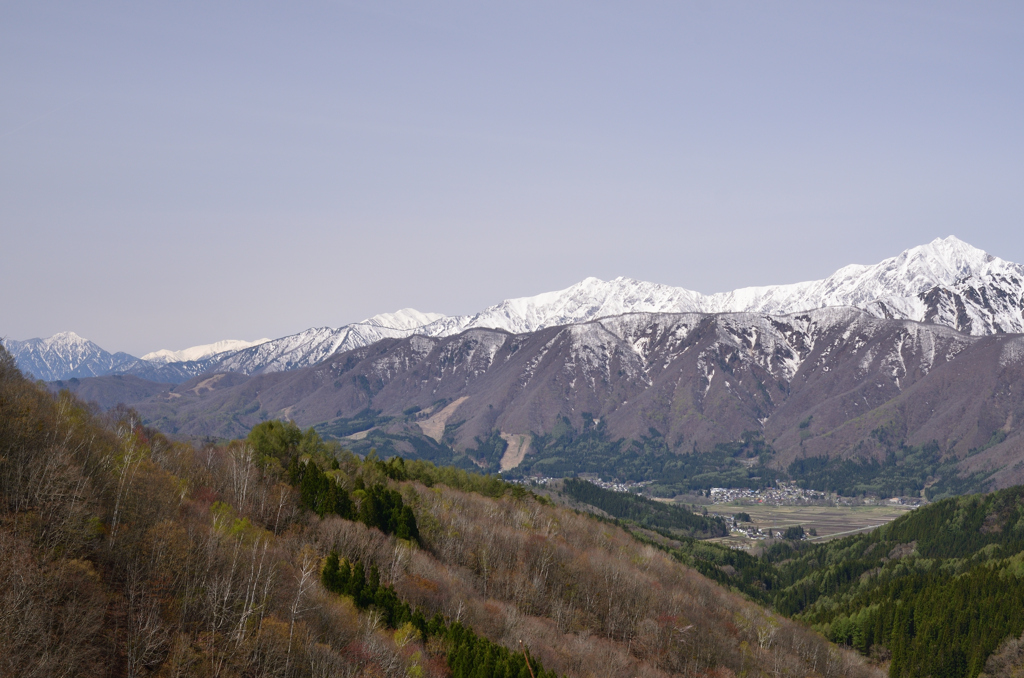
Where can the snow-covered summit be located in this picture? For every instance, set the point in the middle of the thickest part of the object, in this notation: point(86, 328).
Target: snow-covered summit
point(403, 319)
point(944, 261)
point(64, 355)
point(946, 281)
point(165, 356)
point(63, 341)
point(584, 301)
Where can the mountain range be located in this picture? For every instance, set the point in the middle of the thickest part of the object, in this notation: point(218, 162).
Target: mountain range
point(913, 362)
point(946, 282)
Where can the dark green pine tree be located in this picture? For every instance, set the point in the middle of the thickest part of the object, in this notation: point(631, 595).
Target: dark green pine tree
point(485, 669)
point(369, 511)
point(357, 583)
point(344, 577)
point(407, 528)
point(330, 574)
point(343, 503)
point(373, 581)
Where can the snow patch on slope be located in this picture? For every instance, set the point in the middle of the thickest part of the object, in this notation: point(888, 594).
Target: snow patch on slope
point(1012, 353)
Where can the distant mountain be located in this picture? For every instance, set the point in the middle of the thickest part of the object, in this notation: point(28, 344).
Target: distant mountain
point(164, 356)
point(946, 282)
point(308, 347)
point(313, 345)
point(65, 355)
point(404, 319)
point(315, 340)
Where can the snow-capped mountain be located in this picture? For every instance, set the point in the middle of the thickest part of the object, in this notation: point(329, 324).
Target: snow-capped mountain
point(315, 344)
point(592, 298)
point(67, 355)
point(63, 356)
point(945, 282)
point(165, 356)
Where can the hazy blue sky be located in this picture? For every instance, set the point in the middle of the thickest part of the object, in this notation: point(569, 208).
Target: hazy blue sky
point(177, 174)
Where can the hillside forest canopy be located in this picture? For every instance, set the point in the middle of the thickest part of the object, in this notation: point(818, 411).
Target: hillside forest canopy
point(125, 553)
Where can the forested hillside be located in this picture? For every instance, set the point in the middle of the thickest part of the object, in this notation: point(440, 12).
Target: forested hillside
point(125, 554)
point(667, 519)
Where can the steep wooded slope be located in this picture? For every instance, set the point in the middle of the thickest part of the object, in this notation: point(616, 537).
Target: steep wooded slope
point(123, 554)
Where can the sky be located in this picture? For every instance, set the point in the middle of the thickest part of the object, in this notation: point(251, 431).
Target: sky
point(174, 174)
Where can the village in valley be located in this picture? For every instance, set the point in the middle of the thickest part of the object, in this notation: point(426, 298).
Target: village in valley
point(784, 495)
point(785, 511)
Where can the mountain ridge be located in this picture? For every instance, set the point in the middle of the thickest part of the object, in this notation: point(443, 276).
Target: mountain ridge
point(944, 282)
point(911, 286)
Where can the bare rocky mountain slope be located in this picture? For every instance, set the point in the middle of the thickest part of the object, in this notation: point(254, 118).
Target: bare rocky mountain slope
point(834, 382)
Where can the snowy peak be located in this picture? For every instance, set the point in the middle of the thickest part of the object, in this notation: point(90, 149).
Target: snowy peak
point(946, 281)
point(64, 355)
point(164, 356)
point(65, 342)
point(586, 300)
point(947, 259)
point(897, 282)
point(593, 298)
point(65, 338)
point(403, 319)
point(940, 262)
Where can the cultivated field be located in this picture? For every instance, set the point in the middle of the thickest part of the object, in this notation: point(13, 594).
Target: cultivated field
point(829, 521)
